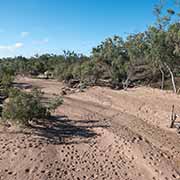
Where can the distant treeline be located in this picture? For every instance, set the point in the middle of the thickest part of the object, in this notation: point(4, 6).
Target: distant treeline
point(144, 57)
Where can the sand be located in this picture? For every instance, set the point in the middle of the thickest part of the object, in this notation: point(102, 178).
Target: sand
point(96, 134)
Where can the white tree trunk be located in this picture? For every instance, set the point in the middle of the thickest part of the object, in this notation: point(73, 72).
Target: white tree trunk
point(172, 78)
point(126, 84)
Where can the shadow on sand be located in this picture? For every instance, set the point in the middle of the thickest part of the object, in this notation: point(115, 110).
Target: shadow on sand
point(22, 85)
point(61, 130)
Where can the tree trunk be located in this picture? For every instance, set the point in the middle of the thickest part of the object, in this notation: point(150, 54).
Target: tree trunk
point(162, 78)
point(172, 78)
point(126, 84)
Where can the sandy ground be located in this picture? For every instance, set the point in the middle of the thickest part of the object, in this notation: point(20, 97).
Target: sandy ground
point(96, 134)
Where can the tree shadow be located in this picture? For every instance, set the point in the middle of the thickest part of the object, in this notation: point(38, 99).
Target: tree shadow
point(22, 85)
point(61, 130)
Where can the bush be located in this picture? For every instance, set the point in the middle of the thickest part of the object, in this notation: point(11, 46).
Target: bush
point(6, 81)
point(23, 107)
point(64, 72)
point(54, 104)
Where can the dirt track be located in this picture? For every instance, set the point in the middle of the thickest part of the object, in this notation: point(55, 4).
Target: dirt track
point(97, 134)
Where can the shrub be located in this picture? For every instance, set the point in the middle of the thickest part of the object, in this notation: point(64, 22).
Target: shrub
point(54, 104)
point(64, 72)
point(23, 107)
point(6, 81)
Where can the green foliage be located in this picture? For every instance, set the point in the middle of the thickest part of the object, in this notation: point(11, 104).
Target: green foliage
point(88, 72)
point(23, 107)
point(64, 72)
point(55, 103)
point(110, 57)
point(7, 80)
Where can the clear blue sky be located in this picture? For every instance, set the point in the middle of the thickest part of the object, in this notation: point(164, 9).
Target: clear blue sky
point(49, 26)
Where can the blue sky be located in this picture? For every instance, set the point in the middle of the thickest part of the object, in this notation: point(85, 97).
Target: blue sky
point(49, 26)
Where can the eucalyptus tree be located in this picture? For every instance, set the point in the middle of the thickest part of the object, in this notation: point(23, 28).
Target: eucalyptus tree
point(111, 56)
point(161, 51)
point(136, 45)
